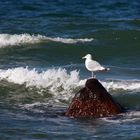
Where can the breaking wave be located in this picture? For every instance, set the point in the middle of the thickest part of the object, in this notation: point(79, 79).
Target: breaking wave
point(17, 39)
point(131, 85)
point(59, 80)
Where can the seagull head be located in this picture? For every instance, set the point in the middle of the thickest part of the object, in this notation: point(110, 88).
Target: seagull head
point(88, 56)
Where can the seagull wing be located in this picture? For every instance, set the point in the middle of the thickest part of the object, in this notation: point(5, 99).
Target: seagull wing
point(94, 66)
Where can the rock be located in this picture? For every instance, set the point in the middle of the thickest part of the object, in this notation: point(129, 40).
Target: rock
point(93, 101)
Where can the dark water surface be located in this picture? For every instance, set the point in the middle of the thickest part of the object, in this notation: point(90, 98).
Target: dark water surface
point(41, 46)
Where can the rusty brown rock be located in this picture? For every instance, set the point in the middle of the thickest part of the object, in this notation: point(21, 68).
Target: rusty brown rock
point(93, 101)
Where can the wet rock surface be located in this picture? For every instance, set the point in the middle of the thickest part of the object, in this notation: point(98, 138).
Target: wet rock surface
point(93, 101)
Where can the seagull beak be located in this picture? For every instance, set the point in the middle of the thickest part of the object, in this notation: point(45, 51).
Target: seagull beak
point(83, 57)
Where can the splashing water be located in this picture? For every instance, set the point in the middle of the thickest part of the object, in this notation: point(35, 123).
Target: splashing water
point(58, 78)
point(54, 80)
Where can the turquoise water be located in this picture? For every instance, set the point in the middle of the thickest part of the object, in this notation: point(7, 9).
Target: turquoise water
point(41, 68)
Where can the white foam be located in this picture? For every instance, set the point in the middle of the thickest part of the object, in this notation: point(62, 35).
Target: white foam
point(59, 82)
point(70, 40)
point(17, 39)
point(59, 77)
point(122, 85)
point(130, 116)
point(54, 80)
point(9, 40)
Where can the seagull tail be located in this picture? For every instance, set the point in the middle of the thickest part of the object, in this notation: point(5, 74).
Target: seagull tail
point(107, 69)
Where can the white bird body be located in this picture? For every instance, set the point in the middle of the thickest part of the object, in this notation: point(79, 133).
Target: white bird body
point(93, 65)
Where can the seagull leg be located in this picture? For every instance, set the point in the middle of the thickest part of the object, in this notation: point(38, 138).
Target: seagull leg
point(92, 74)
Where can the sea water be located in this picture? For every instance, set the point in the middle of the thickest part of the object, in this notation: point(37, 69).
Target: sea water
point(41, 68)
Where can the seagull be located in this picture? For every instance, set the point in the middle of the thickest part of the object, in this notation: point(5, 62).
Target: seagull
point(93, 65)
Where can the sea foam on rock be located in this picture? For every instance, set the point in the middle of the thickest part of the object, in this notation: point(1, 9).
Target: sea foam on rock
point(93, 101)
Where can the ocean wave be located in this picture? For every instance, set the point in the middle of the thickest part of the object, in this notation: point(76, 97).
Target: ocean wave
point(18, 39)
point(130, 116)
point(59, 80)
point(127, 85)
point(44, 107)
